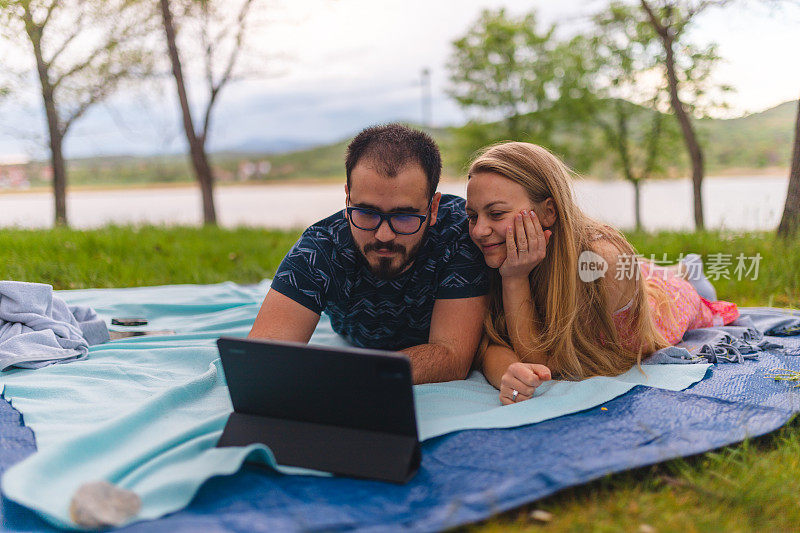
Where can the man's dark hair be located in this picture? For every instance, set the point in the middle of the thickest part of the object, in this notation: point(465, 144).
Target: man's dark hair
point(391, 147)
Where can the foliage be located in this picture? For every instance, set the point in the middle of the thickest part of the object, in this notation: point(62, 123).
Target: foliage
point(694, 63)
point(620, 61)
point(87, 48)
point(530, 86)
point(505, 66)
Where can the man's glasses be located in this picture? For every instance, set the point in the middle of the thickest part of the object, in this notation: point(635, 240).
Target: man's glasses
point(400, 223)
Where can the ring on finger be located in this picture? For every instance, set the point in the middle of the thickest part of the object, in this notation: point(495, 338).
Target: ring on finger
point(514, 394)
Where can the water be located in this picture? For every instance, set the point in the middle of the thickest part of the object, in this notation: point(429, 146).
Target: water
point(736, 203)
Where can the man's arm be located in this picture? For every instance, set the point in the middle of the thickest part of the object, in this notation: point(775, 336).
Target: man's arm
point(281, 318)
point(456, 326)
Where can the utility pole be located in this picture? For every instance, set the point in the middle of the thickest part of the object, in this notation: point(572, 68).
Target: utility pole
point(426, 98)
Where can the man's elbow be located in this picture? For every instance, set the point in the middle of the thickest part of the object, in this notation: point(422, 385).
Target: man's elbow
point(462, 364)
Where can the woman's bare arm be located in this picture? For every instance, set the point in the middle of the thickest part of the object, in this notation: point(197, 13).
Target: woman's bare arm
point(496, 361)
point(526, 245)
point(523, 329)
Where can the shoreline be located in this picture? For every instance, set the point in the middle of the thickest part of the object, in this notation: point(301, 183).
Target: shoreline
point(768, 172)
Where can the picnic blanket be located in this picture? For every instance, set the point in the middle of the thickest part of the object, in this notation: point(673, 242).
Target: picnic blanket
point(144, 414)
point(465, 476)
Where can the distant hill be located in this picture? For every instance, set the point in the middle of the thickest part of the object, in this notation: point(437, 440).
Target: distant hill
point(749, 143)
point(754, 141)
point(325, 161)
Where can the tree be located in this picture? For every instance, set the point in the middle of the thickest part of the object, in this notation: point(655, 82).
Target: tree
point(215, 33)
point(670, 19)
point(504, 67)
point(614, 80)
point(790, 220)
point(83, 50)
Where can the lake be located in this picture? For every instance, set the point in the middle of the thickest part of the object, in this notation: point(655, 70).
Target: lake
point(736, 203)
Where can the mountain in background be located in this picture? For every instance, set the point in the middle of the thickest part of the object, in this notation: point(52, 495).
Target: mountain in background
point(755, 141)
point(749, 144)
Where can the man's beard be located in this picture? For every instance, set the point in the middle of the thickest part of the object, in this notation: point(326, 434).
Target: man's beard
point(384, 269)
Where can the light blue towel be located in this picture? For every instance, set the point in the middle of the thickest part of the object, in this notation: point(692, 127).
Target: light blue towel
point(38, 329)
point(145, 413)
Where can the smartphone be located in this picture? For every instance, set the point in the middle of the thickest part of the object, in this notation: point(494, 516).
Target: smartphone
point(129, 321)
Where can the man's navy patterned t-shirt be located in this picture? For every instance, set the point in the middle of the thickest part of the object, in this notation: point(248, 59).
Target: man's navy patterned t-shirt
point(324, 271)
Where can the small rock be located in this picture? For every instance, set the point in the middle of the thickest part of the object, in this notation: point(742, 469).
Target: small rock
point(647, 528)
point(99, 504)
point(540, 515)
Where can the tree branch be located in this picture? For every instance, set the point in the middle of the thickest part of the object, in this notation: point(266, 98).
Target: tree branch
point(78, 28)
point(101, 89)
point(659, 27)
point(232, 59)
point(50, 9)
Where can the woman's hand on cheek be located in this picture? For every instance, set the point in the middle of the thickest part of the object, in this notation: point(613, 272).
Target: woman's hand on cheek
point(523, 378)
point(526, 245)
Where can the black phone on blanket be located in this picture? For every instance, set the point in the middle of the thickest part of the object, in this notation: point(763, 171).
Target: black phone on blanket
point(348, 411)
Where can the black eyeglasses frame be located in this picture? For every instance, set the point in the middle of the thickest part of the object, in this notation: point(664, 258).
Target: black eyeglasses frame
point(388, 218)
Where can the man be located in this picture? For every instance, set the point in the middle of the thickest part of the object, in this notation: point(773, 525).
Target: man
point(394, 270)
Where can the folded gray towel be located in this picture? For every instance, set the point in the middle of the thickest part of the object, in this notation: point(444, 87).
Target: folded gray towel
point(38, 329)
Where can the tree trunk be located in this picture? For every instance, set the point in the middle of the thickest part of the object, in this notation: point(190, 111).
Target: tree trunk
point(59, 180)
point(637, 203)
point(56, 142)
point(790, 221)
point(197, 151)
point(689, 137)
point(55, 135)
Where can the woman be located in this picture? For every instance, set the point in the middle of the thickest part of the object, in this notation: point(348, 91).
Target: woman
point(548, 317)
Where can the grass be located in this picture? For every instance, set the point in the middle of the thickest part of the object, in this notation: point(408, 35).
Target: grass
point(130, 256)
point(126, 256)
point(778, 280)
point(754, 486)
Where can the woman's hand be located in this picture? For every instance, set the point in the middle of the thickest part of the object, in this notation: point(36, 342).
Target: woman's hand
point(523, 378)
point(526, 246)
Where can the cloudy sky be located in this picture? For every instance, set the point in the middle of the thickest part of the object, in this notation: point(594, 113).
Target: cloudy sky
point(331, 67)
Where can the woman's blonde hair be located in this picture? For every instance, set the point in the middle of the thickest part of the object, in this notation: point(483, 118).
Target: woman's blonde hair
point(577, 329)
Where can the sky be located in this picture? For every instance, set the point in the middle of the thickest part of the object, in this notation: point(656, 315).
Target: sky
point(324, 69)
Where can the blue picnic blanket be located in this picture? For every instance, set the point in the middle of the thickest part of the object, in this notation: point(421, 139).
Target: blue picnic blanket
point(145, 413)
point(465, 476)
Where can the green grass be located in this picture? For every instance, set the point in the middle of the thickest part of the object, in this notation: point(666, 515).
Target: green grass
point(129, 256)
point(778, 280)
point(754, 486)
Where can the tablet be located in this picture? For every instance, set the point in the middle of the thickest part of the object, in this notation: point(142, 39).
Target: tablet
point(347, 411)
